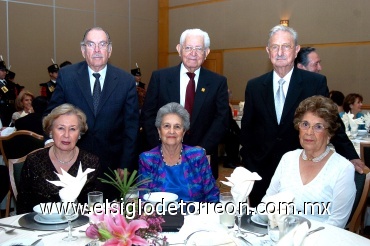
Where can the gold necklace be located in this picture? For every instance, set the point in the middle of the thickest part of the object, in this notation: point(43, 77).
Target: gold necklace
point(64, 162)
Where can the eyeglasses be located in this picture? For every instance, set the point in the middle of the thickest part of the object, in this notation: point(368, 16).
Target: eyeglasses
point(318, 127)
point(91, 45)
point(175, 127)
point(283, 47)
point(189, 49)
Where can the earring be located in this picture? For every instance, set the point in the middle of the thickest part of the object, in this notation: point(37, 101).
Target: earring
point(50, 136)
point(79, 136)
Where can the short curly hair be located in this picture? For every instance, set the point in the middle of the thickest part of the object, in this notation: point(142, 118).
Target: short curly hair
point(65, 109)
point(18, 101)
point(350, 99)
point(320, 106)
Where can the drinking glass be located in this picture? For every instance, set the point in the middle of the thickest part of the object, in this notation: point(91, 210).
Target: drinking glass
point(94, 197)
point(69, 213)
point(227, 218)
point(273, 231)
point(240, 210)
point(354, 133)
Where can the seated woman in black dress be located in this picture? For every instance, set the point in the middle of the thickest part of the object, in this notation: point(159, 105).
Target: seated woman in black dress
point(65, 125)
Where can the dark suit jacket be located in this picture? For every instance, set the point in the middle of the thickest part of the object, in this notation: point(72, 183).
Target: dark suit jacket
point(31, 122)
point(264, 142)
point(112, 133)
point(209, 119)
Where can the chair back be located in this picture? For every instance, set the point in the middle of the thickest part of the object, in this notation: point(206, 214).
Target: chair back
point(365, 153)
point(359, 182)
point(15, 170)
point(356, 223)
point(15, 146)
point(19, 144)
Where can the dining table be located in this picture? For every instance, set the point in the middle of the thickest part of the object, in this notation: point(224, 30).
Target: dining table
point(203, 225)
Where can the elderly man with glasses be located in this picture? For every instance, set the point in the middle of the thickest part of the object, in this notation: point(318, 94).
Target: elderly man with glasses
point(108, 97)
point(202, 93)
point(267, 129)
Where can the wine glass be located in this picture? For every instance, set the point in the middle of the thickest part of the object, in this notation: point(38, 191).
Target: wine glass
point(70, 213)
point(240, 210)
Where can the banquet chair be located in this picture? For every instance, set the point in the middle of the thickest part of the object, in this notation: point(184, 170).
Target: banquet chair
point(17, 145)
point(356, 224)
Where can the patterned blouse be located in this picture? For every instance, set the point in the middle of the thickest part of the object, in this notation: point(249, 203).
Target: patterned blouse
point(201, 185)
point(33, 187)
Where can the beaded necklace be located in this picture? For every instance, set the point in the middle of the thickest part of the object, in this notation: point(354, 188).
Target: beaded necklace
point(64, 162)
point(177, 163)
point(316, 159)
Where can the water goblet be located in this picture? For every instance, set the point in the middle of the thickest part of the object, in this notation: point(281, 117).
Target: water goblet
point(354, 133)
point(227, 218)
point(240, 210)
point(70, 212)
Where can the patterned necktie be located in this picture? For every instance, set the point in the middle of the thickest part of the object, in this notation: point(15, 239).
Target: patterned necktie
point(190, 93)
point(279, 100)
point(96, 92)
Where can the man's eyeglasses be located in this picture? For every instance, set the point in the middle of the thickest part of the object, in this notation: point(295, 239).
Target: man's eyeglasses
point(175, 127)
point(91, 45)
point(318, 127)
point(283, 47)
point(198, 50)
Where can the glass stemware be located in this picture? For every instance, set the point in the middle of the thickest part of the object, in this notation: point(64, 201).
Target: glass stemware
point(240, 210)
point(69, 213)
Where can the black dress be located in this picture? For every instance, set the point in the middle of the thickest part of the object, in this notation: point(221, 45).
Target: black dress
point(38, 167)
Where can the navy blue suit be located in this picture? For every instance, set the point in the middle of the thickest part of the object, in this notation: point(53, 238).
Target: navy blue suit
point(209, 119)
point(112, 133)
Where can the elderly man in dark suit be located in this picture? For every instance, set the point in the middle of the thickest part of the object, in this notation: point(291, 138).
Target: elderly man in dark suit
point(208, 107)
point(270, 102)
point(108, 97)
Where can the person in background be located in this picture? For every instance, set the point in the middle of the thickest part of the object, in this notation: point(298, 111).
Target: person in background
point(48, 88)
point(108, 97)
point(65, 63)
point(137, 74)
point(206, 99)
point(267, 129)
point(317, 173)
point(338, 99)
point(65, 125)
point(23, 105)
point(308, 59)
point(352, 104)
point(10, 76)
point(8, 94)
point(175, 167)
point(33, 122)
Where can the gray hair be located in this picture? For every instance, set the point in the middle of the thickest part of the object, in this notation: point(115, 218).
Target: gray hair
point(196, 32)
point(95, 29)
point(278, 28)
point(173, 108)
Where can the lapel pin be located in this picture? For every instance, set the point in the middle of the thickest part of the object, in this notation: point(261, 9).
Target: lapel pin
point(203, 89)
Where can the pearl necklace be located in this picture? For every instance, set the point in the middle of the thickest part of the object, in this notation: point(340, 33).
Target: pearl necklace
point(316, 159)
point(64, 162)
point(177, 163)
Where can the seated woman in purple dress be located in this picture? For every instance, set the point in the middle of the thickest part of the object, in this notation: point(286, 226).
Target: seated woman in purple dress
point(173, 166)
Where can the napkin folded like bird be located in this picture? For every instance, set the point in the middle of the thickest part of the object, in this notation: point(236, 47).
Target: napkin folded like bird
point(241, 106)
point(281, 208)
point(72, 186)
point(296, 236)
point(367, 119)
point(351, 123)
point(241, 182)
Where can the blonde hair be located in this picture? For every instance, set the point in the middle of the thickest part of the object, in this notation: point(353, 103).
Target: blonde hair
point(65, 109)
point(18, 101)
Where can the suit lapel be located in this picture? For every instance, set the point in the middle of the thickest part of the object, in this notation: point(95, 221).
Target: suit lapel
point(110, 83)
point(294, 91)
point(83, 82)
point(173, 85)
point(269, 96)
point(201, 93)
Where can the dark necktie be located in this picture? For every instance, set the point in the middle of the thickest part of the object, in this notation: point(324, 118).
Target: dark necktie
point(96, 92)
point(190, 93)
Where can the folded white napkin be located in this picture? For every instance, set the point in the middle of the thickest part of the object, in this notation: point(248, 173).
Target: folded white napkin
point(241, 106)
point(348, 121)
point(241, 182)
point(72, 186)
point(280, 210)
point(296, 236)
point(367, 119)
point(23, 114)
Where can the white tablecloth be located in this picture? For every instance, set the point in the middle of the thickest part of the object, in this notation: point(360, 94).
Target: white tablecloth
point(329, 236)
